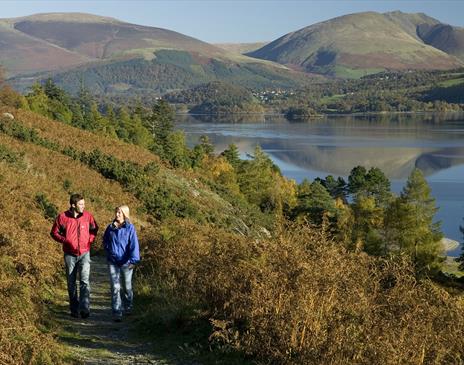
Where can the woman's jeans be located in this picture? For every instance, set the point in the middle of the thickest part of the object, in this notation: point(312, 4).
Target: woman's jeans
point(75, 265)
point(121, 288)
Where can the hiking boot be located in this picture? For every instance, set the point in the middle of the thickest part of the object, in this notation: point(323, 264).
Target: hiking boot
point(117, 318)
point(74, 314)
point(85, 314)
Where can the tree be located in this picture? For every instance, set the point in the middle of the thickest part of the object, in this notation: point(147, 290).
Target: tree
point(410, 227)
point(314, 201)
point(232, 155)
point(378, 186)
point(202, 150)
point(257, 182)
point(38, 100)
point(368, 225)
point(372, 183)
point(357, 180)
point(160, 121)
point(176, 151)
point(336, 188)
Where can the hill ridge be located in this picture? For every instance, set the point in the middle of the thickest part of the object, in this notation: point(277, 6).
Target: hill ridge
point(369, 41)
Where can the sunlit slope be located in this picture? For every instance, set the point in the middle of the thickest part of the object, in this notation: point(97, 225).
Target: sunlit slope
point(135, 170)
point(120, 57)
point(241, 48)
point(21, 53)
point(34, 179)
point(105, 38)
point(357, 44)
point(41, 163)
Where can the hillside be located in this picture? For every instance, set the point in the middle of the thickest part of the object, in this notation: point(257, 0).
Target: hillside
point(38, 170)
point(216, 98)
point(107, 38)
point(169, 70)
point(22, 53)
point(237, 261)
point(445, 37)
point(358, 44)
point(241, 48)
point(116, 57)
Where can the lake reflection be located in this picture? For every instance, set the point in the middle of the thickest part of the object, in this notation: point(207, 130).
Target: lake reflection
point(334, 145)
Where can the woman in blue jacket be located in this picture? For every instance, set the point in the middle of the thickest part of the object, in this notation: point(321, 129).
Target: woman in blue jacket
point(122, 252)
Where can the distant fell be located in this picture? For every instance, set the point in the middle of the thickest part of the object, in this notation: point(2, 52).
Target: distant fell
point(110, 56)
point(105, 38)
point(357, 44)
point(445, 37)
point(241, 48)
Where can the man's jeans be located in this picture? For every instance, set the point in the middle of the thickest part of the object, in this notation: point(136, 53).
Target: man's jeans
point(81, 265)
point(121, 288)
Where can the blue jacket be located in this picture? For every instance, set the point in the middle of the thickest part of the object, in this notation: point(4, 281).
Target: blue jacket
point(121, 244)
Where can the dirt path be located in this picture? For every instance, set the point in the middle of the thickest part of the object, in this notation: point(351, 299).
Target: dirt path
point(98, 339)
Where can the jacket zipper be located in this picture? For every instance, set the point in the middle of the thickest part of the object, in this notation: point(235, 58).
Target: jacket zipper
point(78, 237)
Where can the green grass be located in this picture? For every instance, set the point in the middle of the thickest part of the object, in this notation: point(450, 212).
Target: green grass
point(350, 73)
point(330, 99)
point(452, 82)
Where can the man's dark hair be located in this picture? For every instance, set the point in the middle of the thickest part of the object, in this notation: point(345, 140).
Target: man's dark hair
point(74, 198)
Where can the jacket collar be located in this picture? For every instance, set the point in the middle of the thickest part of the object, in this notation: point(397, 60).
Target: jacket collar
point(70, 213)
point(123, 225)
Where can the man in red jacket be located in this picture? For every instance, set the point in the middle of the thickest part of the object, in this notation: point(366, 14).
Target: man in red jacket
point(76, 229)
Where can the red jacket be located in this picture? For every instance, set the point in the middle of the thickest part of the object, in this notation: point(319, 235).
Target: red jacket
point(76, 234)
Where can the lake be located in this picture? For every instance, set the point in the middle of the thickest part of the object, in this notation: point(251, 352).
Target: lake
point(334, 145)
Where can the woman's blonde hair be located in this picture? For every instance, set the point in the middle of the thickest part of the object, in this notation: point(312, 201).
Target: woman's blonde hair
point(125, 211)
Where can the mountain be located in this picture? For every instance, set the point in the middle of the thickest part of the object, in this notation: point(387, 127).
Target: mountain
point(111, 56)
point(445, 37)
point(241, 48)
point(23, 53)
point(362, 43)
point(106, 38)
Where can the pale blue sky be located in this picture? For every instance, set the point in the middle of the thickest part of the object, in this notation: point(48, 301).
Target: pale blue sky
point(233, 21)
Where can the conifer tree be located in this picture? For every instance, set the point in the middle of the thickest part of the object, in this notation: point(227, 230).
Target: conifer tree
point(410, 227)
point(161, 120)
point(314, 201)
point(204, 149)
point(357, 180)
point(232, 155)
point(38, 100)
point(256, 181)
point(368, 225)
point(378, 186)
point(175, 150)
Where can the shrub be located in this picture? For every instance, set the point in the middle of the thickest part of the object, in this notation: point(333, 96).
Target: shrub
point(299, 298)
point(49, 209)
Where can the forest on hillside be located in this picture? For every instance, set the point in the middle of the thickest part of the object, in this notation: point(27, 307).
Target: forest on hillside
point(326, 271)
point(386, 92)
point(406, 91)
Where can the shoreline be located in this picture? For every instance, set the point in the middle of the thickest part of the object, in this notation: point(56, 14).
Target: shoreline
point(382, 113)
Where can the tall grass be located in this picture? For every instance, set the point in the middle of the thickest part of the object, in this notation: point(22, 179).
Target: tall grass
point(300, 298)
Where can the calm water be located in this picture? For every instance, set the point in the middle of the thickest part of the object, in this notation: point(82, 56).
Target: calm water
point(395, 144)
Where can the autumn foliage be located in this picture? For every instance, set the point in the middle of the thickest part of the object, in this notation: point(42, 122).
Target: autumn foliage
point(300, 298)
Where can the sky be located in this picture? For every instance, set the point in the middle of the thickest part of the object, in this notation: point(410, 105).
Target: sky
point(238, 21)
